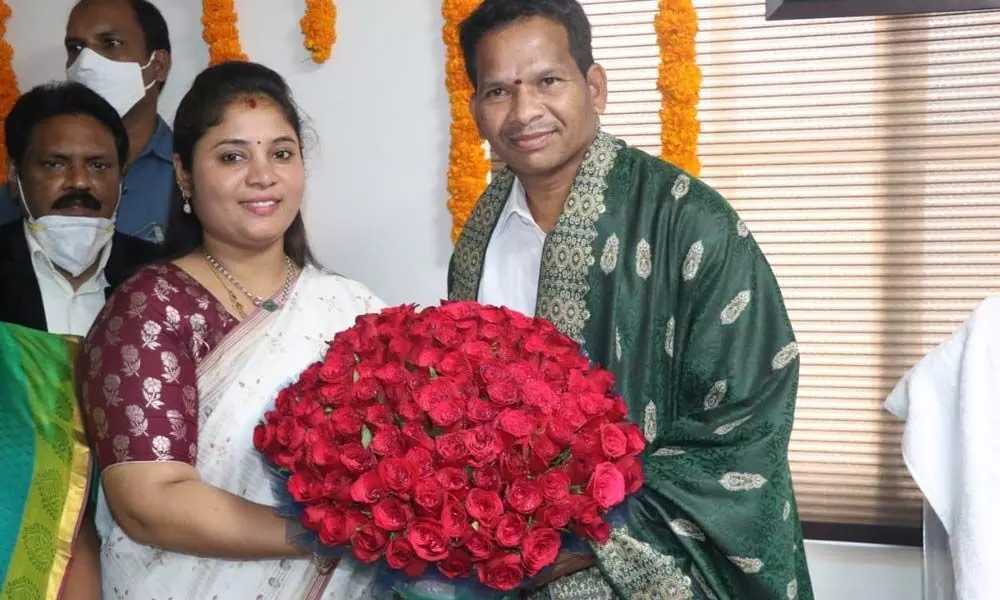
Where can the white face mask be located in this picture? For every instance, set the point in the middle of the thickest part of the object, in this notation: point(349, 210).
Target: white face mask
point(120, 83)
point(71, 243)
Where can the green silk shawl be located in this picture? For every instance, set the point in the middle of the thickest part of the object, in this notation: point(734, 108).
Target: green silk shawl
point(46, 462)
point(655, 274)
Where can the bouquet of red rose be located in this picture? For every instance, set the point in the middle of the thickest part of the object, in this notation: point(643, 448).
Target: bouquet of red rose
point(463, 438)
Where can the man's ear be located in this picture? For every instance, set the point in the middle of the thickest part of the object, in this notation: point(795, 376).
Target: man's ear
point(161, 65)
point(597, 84)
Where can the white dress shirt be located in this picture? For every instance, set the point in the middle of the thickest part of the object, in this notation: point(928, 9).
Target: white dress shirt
point(514, 257)
point(67, 311)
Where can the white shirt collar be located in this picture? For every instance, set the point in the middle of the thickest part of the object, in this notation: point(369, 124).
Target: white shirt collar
point(517, 205)
point(40, 259)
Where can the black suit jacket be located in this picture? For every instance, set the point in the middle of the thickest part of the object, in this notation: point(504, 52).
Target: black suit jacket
point(21, 298)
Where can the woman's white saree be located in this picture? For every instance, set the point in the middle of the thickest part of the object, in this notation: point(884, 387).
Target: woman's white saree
point(236, 384)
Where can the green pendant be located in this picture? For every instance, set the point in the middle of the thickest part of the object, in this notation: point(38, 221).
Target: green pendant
point(269, 305)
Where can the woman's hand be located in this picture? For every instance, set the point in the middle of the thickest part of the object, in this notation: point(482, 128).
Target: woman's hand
point(167, 505)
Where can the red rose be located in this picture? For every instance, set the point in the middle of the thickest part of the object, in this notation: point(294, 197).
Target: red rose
point(560, 432)
point(460, 309)
point(451, 448)
point(337, 362)
point(416, 435)
point(593, 404)
point(540, 395)
point(457, 564)
point(387, 442)
point(322, 452)
point(400, 555)
point(599, 531)
point(510, 529)
point(429, 495)
point(368, 543)
point(512, 466)
point(586, 510)
point(398, 474)
point(365, 389)
point(368, 488)
point(607, 485)
point(480, 411)
point(389, 514)
point(483, 443)
point(503, 573)
point(479, 545)
point(356, 459)
point(631, 468)
point(477, 350)
point(518, 423)
point(487, 478)
point(337, 486)
point(346, 422)
point(636, 440)
point(264, 437)
point(333, 529)
point(588, 445)
point(446, 413)
point(557, 514)
point(454, 520)
point(613, 441)
point(313, 515)
point(423, 460)
point(435, 392)
point(428, 539)
point(392, 373)
point(554, 485)
point(408, 410)
point(541, 546)
point(484, 506)
point(580, 469)
point(619, 410)
point(524, 496)
point(502, 392)
point(543, 452)
point(452, 479)
point(291, 434)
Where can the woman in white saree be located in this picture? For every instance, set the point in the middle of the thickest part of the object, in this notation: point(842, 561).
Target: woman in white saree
point(187, 356)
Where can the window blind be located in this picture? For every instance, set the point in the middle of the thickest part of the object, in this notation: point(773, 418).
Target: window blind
point(863, 153)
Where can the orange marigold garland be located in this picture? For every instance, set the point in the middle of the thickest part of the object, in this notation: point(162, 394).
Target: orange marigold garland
point(468, 166)
point(679, 82)
point(319, 27)
point(220, 31)
point(8, 83)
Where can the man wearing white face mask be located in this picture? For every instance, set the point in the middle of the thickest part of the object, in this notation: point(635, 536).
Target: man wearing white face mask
point(121, 50)
point(67, 148)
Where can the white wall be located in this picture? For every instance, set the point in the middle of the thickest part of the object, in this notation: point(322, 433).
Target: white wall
point(376, 207)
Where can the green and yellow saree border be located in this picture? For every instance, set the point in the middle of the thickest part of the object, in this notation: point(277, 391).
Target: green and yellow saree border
point(48, 462)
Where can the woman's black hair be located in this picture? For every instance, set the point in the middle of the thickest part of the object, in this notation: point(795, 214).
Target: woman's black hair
point(203, 107)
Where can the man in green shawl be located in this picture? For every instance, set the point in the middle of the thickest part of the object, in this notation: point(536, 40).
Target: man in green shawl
point(655, 274)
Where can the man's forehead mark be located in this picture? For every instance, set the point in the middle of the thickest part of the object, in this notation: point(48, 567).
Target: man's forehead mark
point(251, 102)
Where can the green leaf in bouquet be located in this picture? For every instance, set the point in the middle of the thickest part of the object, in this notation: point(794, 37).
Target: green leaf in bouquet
point(433, 372)
point(562, 458)
point(366, 436)
point(435, 431)
point(357, 376)
point(475, 525)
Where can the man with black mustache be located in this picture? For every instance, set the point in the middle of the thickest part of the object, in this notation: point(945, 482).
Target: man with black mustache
point(67, 149)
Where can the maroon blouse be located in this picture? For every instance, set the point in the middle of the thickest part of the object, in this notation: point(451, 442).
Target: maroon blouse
point(140, 391)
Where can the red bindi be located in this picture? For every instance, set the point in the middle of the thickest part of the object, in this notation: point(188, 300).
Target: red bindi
point(251, 103)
